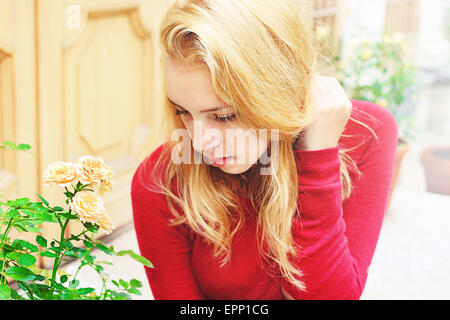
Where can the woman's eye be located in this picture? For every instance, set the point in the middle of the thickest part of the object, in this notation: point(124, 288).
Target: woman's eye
point(180, 112)
point(232, 117)
point(226, 118)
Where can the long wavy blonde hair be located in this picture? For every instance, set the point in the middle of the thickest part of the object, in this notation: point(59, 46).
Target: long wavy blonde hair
point(260, 54)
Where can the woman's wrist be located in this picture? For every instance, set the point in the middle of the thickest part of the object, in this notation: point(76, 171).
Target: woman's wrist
point(303, 145)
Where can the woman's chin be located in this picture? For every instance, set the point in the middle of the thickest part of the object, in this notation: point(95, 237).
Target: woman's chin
point(236, 168)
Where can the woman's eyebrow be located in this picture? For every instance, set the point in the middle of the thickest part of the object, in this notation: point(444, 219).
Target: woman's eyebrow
point(203, 111)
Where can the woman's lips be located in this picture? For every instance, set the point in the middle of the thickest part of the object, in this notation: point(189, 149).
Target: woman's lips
point(219, 162)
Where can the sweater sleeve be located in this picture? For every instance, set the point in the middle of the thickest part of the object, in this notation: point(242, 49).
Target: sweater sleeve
point(167, 247)
point(337, 239)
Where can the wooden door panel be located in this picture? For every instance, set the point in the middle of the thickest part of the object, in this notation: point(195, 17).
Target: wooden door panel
point(98, 90)
point(104, 88)
point(7, 128)
point(18, 174)
point(104, 72)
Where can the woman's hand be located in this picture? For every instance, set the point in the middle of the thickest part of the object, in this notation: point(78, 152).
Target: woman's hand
point(332, 110)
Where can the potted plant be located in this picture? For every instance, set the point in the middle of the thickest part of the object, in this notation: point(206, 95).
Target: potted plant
point(375, 71)
point(436, 159)
point(436, 162)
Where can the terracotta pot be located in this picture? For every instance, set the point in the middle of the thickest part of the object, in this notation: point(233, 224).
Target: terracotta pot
point(402, 149)
point(436, 162)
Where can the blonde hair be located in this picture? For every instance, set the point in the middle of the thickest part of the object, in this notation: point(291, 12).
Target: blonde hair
point(261, 56)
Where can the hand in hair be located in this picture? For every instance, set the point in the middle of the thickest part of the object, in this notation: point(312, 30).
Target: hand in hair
point(332, 109)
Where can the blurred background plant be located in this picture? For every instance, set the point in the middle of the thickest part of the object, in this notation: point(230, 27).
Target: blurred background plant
point(376, 71)
point(373, 69)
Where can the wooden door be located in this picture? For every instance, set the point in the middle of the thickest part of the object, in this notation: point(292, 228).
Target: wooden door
point(328, 13)
point(402, 16)
point(18, 170)
point(99, 90)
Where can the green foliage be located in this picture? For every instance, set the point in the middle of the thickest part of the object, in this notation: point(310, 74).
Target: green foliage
point(18, 257)
point(11, 146)
point(376, 71)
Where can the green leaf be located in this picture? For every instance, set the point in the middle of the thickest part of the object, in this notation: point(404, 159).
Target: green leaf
point(125, 253)
point(68, 244)
point(29, 213)
point(41, 241)
point(99, 268)
point(136, 257)
point(123, 283)
point(43, 200)
point(26, 260)
point(71, 253)
point(13, 146)
point(88, 244)
point(85, 290)
point(58, 209)
point(142, 260)
point(22, 202)
point(104, 248)
point(8, 248)
point(74, 237)
point(5, 292)
point(135, 283)
point(73, 284)
point(115, 283)
point(47, 254)
point(24, 146)
point(90, 259)
point(134, 291)
point(46, 216)
point(40, 278)
point(19, 227)
point(81, 250)
point(119, 295)
point(12, 213)
point(21, 286)
point(13, 255)
point(15, 295)
point(59, 287)
point(19, 244)
point(20, 273)
point(40, 290)
point(63, 278)
point(33, 229)
point(91, 227)
point(68, 296)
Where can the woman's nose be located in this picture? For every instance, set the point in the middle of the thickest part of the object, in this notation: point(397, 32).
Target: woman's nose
point(204, 141)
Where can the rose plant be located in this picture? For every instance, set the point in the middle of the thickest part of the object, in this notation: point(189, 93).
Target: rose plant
point(84, 182)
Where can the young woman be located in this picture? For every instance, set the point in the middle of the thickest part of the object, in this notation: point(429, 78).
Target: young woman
point(307, 227)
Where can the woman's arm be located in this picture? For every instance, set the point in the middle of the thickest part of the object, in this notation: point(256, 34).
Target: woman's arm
point(338, 239)
point(168, 248)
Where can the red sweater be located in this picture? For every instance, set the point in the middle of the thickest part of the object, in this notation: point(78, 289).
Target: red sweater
point(338, 238)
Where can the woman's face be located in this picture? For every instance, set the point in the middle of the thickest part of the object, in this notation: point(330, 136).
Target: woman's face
point(212, 125)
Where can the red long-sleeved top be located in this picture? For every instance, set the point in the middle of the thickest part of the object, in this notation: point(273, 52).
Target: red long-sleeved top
point(338, 238)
